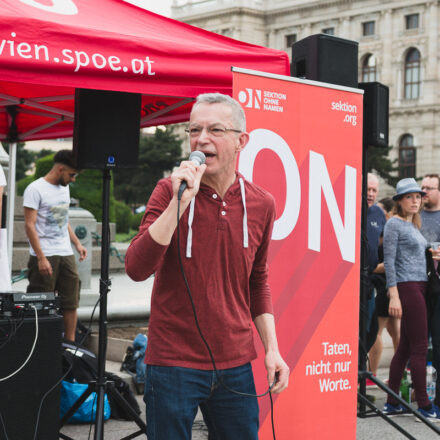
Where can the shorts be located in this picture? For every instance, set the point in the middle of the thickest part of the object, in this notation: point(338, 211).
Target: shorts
point(382, 304)
point(64, 280)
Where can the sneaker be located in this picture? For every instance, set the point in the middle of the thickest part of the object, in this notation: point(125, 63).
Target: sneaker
point(433, 415)
point(394, 410)
point(369, 383)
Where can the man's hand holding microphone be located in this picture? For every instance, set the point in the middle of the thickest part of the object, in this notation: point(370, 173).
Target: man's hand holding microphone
point(186, 179)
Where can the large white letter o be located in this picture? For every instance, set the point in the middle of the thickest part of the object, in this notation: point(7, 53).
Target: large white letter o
point(261, 139)
point(64, 7)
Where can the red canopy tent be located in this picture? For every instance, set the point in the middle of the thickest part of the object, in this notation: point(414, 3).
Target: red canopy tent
point(50, 47)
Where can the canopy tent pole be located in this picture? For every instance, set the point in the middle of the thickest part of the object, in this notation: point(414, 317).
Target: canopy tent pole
point(166, 110)
point(11, 200)
point(26, 135)
point(12, 138)
point(33, 103)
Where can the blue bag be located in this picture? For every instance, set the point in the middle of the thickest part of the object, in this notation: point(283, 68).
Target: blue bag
point(140, 345)
point(70, 392)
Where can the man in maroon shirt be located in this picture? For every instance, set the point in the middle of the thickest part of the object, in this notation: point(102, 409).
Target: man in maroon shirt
point(225, 230)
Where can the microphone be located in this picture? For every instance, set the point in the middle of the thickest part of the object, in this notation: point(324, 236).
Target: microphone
point(199, 159)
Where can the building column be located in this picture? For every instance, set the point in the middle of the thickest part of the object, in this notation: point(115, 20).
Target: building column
point(386, 70)
point(344, 28)
point(431, 73)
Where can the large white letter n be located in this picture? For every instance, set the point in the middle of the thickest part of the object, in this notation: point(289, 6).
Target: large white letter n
point(345, 232)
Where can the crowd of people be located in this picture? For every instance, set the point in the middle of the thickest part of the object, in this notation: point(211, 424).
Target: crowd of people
point(402, 233)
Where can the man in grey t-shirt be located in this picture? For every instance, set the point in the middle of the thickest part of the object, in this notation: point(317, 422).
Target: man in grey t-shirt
point(52, 265)
point(431, 231)
point(431, 208)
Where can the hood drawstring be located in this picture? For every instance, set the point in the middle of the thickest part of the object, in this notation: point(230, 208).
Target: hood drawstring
point(190, 232)
point(245, 225)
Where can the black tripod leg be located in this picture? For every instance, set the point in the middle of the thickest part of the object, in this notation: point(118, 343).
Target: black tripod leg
point(386, 418)
point(124, 404)
point(81, 399)
point(362, 361)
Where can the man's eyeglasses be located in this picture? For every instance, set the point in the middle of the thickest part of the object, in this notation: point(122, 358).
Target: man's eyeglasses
point(428, 188)
point(213, 130)
point(72, 175)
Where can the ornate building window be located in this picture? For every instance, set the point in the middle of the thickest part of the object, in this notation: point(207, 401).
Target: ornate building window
point(329, 31)
point(367, 28)
point(412, 74)
point(412, 21)
point(290, 39)
point(369, 68)
point(407, 156)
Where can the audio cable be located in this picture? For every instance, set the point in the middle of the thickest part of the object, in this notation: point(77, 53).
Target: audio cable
point(205, 342)
point(2, 422)
point(13, 328)
point(22, 365)
point(30, 353)
point(68, 370)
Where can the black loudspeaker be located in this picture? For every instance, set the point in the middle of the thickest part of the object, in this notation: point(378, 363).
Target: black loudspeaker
point(20, 396)
point(106, 129)
point(325, 58)
point(376, 113)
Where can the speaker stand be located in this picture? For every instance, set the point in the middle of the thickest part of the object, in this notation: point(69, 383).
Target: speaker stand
point(101, 385)
point(363, 303)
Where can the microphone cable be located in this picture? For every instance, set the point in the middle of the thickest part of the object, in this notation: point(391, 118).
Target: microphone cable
point(219, 377)
point(30, 353)
point(2, 423)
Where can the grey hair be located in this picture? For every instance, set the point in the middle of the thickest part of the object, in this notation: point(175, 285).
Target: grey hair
point(238, 115)
point(372, 176)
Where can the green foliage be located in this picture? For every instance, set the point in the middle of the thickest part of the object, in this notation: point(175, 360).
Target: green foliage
point(123, 217)
point(157, 153)
point(379, 162)
point(136, 220)
point(43, 165)
point(87, 188)
point(23, 183)
point(25, 159)
point(125, 237)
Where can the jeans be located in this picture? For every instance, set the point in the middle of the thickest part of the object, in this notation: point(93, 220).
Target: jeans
point(173, 395)
point(413, 343)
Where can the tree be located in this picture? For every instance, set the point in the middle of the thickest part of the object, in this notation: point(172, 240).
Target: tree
point(157, 153)
point(379, 162)
point(25, 158)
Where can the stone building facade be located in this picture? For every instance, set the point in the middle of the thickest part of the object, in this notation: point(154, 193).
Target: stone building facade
point(398, 46)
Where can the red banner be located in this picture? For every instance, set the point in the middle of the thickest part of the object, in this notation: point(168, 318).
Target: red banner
point(306, 149)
